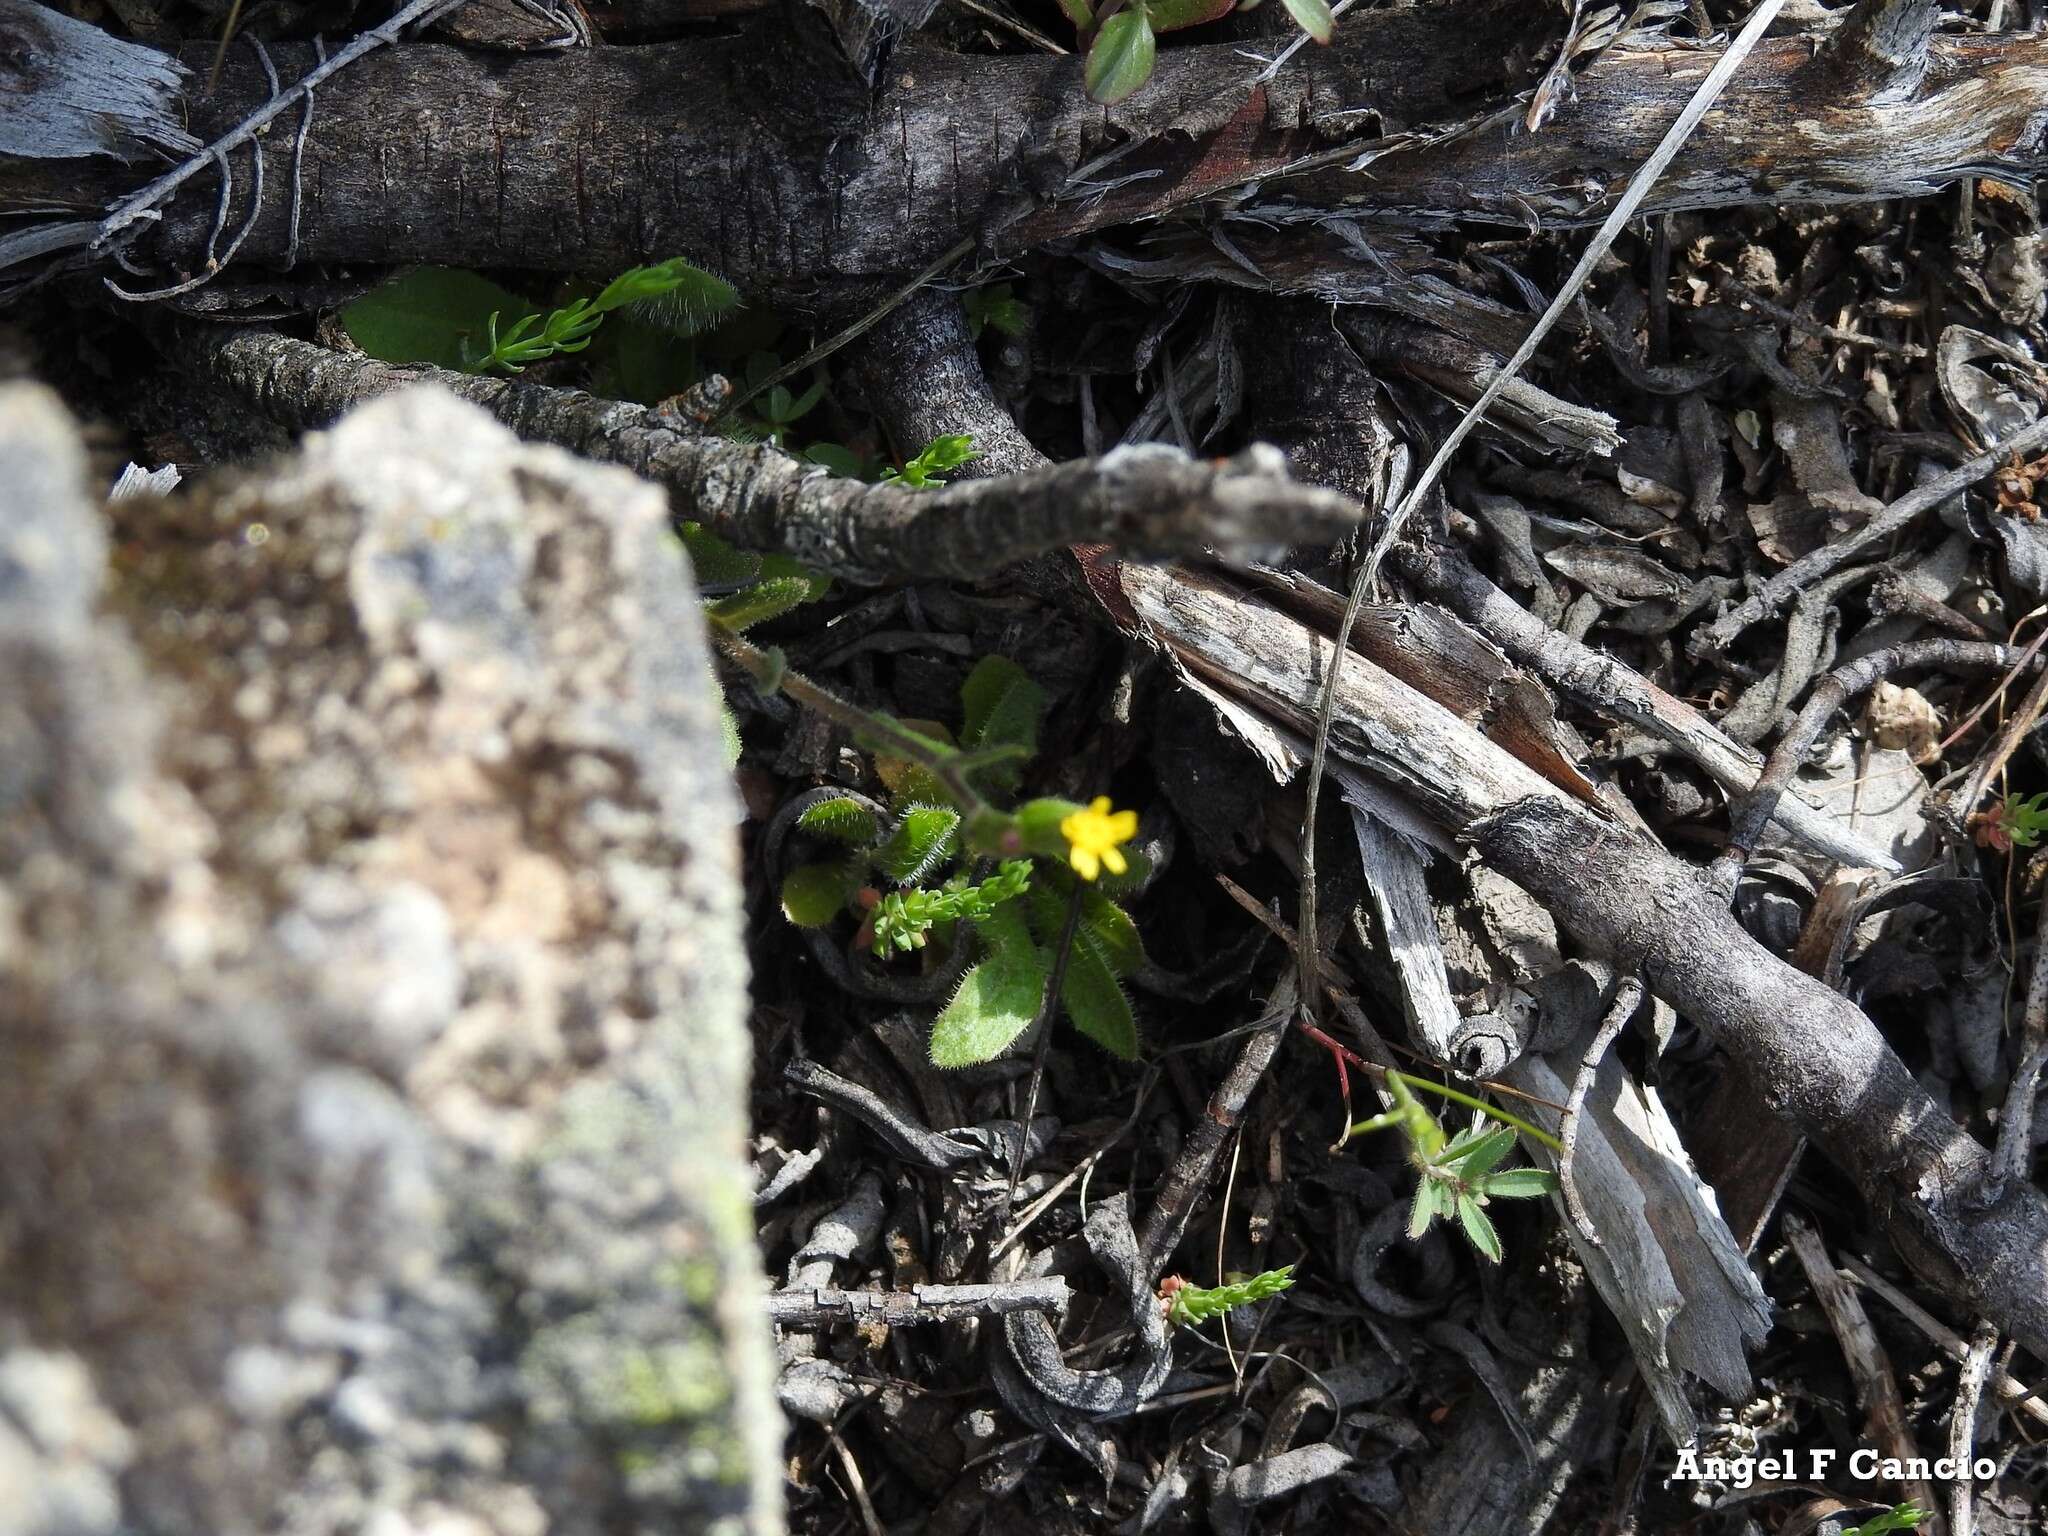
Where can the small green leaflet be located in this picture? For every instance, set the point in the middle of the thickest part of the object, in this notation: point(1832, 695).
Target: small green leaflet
point(1192, 1304)
point(1120, 59)
point(1313, 17)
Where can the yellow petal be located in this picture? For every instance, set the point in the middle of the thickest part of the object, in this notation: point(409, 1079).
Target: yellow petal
point(1084, 862)
point(1123, 826)
point(1100, 805)
point(1114, 861)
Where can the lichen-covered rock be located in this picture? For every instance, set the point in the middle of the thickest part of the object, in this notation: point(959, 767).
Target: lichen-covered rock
point(372, 1059)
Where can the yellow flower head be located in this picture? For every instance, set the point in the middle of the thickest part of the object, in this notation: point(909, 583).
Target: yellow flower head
point(1093, 836)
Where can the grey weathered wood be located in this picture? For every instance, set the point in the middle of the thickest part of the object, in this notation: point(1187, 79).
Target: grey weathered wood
point(68, 90)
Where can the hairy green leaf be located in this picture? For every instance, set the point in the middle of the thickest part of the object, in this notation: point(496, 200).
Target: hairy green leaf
point(1109, 928)
point(814, 894)
point(714, 562)
point(1517, 1183)
point(843, 820)
point(757, 604)
point(1120, 59)
point(1096, 1003)
point(998, 997)
point(1433, 1198)
point(728, 734)
point(678, 298)
point(924, 839)
point(1478, 1228)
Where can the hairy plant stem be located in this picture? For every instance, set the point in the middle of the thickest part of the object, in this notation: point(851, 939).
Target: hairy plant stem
point(1442, 1090)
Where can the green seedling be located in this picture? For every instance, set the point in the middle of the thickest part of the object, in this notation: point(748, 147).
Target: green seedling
point(688, 294)
point(940, 457)
point(1459, 1174)
point(1900, 1517)
point(2013, 822)
point(996, 307)
point(1188, 1305)
point(439, 315)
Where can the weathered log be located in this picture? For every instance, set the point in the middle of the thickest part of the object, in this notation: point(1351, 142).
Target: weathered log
point(372, 1071)
point(736, 153)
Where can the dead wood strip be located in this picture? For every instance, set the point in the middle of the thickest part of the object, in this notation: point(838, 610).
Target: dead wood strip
point(1877, 1388)
point(919, 1305)
point(1777, 590)
point(732, 152)
point(1603, 683)
point(2009, 1389)
point(1146, 501)
point(1818, 1061)
point(1749, 815)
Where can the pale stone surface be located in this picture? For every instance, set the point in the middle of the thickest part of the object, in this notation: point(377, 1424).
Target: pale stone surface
point(372, 1089)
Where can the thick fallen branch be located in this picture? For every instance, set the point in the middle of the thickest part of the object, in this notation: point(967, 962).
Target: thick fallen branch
point(595, 160)
point(1818, 1060)
point(1145, 501)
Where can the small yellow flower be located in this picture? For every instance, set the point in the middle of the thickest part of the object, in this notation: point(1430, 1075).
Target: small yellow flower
point(1093, 835)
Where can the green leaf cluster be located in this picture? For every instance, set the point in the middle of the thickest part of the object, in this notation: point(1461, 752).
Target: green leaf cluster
point(1122, 39)
point(940, 457)
point(995, 306)
point(1459, 1174)
point(904, 919)
point(439, 315)
point(940, 817)
point(1189, 1305)
point(1900, 1517)
point(1001, 993)
point(2025, 820)
point(534, 339)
